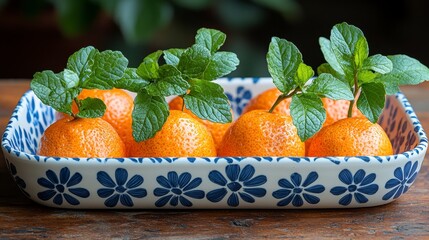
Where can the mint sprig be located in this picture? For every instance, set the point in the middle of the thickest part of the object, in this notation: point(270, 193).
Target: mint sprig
point(295, 80)
point(370, 78)
point(188, 73)
point(87, 68)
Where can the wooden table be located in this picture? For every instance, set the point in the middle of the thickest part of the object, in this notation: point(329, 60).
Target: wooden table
point(407, 217)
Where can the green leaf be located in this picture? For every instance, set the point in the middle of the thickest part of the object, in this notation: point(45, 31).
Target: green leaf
point(91, 108)
point(303, 74)
point(212, 39)
point(149, 115)
point(371, 100)
point(361, 52)
point(378, 63)
point(194, 61)
point(56, 90)
point(221, 64)
point(172, 56)
point(366, 76)
point(131, 81)
point(308, 114)
point(170, 82)
point(108, 67)
point(326, 68)
point(328, 54)
point(148, 69)
point(283, 60)
point(406, 70)
point(328, 86)
point(81, 62)
point(344, 39)
point(208, 101)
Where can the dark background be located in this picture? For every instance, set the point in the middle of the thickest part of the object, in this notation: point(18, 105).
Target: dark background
point(40, 34)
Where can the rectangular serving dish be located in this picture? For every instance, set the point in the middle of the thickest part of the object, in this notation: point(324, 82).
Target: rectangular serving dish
point(214, 182)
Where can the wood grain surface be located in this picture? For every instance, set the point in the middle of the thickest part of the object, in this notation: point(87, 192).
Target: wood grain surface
point(405, 218)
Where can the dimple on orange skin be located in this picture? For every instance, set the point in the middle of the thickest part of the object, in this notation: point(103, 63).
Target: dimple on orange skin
point(355, 136)
point(217, 130)
point(181, 136)
point(81, 137)
point(119, 108)
point(259, 133)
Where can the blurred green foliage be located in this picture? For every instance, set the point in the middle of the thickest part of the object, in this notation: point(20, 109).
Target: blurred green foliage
point(170, 23)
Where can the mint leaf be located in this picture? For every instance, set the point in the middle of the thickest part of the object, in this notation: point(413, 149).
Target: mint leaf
point(208, 101)
point(90, 108)
point(172, 56)
point(303, 74)
point(361, 51)
point(221, 64)
point(366, 76)
point(81, 62)
point(328, 86)
point(148, 69)
point(108, 67)
point(326, 68)
point(170, 82)
point(210, 38)
point(308, 114)
point(131, 81)
point(56, 90)
point(283, 60)
point(149, 115)
point(371, 100)
point(328, 54)
point(344, 39)
point(378, 63)
point(194, 61)
point(406, 70)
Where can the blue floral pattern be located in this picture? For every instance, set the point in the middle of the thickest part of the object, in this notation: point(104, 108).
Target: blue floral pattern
point(175, 189)
point(240, 184)
point(62, 188)
point(402, 181)
point(121, 189)
point(295, 190)
point(242, 97)
point(19, 181)
point(357, 186)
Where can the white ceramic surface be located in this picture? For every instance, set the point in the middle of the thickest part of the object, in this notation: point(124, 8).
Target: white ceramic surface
point(232, 182)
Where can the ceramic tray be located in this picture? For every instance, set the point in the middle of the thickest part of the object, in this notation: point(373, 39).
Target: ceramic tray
point(227, 182)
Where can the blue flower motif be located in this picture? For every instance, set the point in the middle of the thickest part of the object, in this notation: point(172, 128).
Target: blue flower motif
point(295, 190)
point(357, 186)
point(243, 96)
point(241, 184)
point(121, 189)
point(175, 188)
point(62, 187)
point(402, 181)
point(19, 181)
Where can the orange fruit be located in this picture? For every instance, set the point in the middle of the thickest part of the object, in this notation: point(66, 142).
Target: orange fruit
point(266, 99)
point(81, 137)
point(355, 136)
point(338, 109)
point(217, 130)
point(119, 108)
point(181, 136)
point(259, 133)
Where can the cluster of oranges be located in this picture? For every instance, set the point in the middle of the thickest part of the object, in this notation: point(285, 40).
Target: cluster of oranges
point(255, 133)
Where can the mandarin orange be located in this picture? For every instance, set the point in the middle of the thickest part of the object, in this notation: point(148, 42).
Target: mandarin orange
point(355, 136)
point(260, 133)
point(119, 108)
point(181, 136)
point(266, 99)
point(81, 137)
point(217, 130)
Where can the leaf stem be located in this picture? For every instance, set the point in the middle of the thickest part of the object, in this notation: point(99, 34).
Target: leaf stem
point(283, 97)
point(356, 91)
